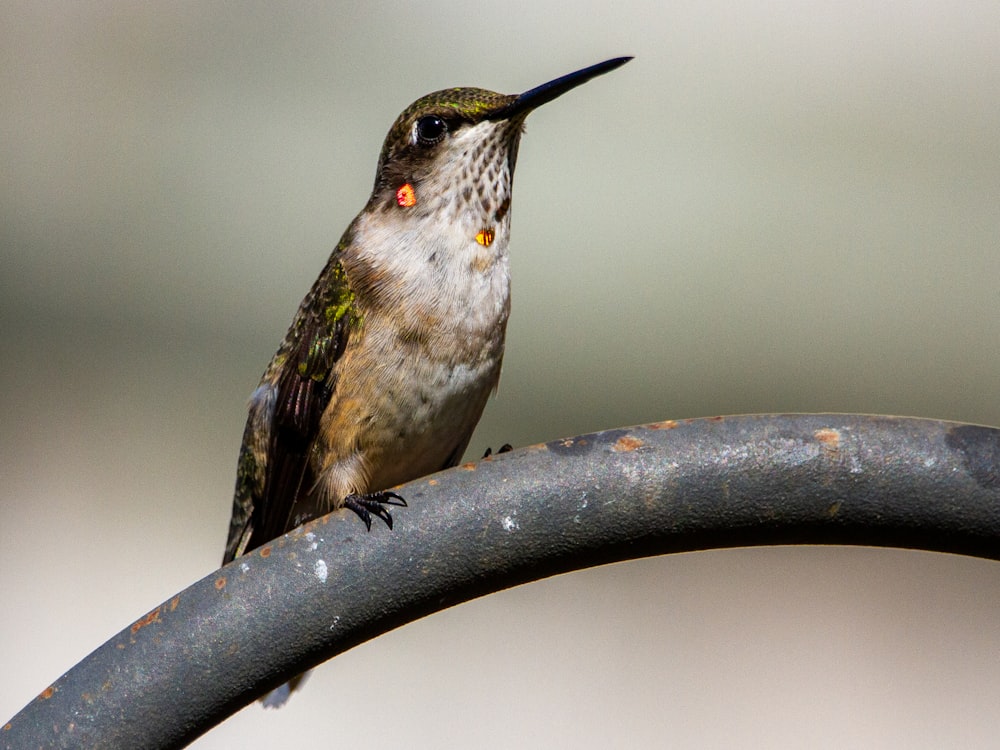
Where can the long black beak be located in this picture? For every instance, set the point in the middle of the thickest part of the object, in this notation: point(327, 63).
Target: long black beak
point(539, 95)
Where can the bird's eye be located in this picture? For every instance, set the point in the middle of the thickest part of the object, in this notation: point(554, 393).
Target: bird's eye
point(430, 130)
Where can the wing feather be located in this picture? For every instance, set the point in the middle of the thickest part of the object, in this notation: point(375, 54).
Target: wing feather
point(275, 471)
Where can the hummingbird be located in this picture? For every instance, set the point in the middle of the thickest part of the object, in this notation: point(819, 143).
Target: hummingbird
point(393, 353)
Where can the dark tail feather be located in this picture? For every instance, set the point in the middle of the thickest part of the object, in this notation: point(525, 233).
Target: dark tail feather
point(277, 697)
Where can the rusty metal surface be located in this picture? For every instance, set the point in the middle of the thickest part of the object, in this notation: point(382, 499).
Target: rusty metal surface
point(517, 517)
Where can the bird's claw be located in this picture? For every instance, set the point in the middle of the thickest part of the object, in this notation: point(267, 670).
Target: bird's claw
point(506, 447)
point(373, 504)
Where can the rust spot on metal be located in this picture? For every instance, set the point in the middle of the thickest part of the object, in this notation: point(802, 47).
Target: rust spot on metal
point(432, 482)
point(6, 726)
point(667, 424)
point(829, 438)
point(87, 697)
point(309, 527)
point(265, 551)
point(469, 466)
point(714, 419)
point(47, 693)
point(834, 509)
point(220, 583)
point(152, 617)
point(174, 602)
point(581, 446)
point(627, 444)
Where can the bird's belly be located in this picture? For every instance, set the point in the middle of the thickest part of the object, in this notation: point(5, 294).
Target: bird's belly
point(428, 419)
point(402, 409)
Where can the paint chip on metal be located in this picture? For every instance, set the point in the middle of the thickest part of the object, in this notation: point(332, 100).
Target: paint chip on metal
point(319, 568)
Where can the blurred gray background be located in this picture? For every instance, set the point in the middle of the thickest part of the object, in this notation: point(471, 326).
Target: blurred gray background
point(777, 207)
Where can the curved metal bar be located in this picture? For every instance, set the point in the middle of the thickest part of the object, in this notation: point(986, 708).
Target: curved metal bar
point(513, 518)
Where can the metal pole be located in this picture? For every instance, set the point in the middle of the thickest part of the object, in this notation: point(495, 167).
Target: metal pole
point(513, 518)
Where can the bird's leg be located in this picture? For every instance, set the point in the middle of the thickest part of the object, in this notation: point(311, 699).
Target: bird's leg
point(373, 503)
point(505, 448)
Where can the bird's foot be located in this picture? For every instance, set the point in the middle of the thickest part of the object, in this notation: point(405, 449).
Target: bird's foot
point(506, 447)
point(373, 504)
